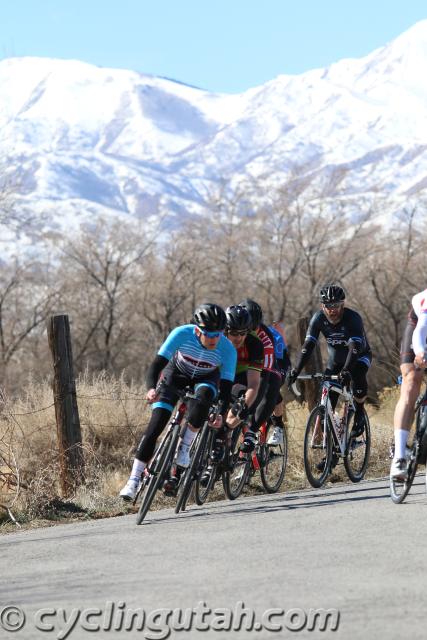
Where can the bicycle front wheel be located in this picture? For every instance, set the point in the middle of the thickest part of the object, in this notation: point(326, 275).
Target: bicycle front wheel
point(203, 485)
point(398, 489)
point(193, 469)
point(164, 458)
point(274, 460)
point(357, 458)
point(317, 448)
point(238, 466)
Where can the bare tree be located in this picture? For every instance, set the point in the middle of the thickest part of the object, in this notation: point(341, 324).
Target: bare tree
point(100, 271)
point(26, 300)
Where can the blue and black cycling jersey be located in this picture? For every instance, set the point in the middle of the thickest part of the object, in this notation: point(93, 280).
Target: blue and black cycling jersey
point(184, 348)
point(346, 340)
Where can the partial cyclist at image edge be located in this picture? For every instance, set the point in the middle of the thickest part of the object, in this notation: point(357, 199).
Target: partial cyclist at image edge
point(196, 355)
point(349, 353)
point(412, 366)
point(283, 363)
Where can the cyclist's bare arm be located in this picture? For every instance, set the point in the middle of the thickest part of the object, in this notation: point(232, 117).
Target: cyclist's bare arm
point(419, 338)
point(253, 377)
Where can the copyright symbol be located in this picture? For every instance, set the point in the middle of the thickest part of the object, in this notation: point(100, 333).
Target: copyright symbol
point(12, 618)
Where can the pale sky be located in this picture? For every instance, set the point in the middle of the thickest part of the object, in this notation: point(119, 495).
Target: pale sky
point(219, 45)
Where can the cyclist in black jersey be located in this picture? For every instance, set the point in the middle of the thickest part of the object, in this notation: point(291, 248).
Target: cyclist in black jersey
point(348, 348)
point(250, 359)
point(271, 378)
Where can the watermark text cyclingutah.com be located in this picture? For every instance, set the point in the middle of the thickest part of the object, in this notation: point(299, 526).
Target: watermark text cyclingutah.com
point(158, 624)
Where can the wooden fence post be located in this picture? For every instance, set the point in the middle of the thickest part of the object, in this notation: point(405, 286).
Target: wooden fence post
point(66, 410)
point(314, 365)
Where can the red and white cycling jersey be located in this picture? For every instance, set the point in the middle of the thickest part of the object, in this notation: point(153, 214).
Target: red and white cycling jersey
point(269, 353)
point(419, 302)
point(419, 305)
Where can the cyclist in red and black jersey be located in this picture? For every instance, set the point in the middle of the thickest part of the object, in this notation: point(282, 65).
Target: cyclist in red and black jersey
point(250, 359)
point(271, 378)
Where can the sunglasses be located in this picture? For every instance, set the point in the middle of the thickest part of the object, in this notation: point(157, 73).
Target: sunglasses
point(237, 333)
point(211, 334)
point(332, 305)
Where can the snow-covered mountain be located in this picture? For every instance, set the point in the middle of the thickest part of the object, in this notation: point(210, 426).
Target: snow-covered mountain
point(81, 140)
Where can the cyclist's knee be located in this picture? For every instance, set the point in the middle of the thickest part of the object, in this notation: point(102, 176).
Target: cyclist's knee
point(205, 394)
point(411, 385)
point(198, 408)
point(360, 391)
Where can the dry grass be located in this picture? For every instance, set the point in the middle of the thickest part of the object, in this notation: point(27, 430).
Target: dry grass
point(113, 414)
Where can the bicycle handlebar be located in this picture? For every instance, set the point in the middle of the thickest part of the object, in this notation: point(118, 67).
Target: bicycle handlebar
point(312, 376)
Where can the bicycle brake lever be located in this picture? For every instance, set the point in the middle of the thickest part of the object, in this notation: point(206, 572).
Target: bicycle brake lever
point(295, 390)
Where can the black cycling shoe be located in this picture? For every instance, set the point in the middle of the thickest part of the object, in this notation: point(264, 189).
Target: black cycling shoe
point(217, 453)
point(170, 486)
point(359, 425)
point(248, 444)
point(321, 465)
point(205, 477)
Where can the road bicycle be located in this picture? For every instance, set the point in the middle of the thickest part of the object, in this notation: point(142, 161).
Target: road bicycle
point(267, 459)
point(205, 468)
point(199, 458)
point(416, 453)
point(328, 436)
point(160, 465)
point(234, 467)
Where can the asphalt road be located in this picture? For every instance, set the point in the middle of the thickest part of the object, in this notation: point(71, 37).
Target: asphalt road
point(346, 548)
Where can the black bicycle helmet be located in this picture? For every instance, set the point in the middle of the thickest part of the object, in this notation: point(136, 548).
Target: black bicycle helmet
point(331, 293)
point(238, 318)
point(210, 317)
point(254, 310)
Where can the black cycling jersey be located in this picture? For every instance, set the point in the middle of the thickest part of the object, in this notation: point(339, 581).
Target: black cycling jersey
point(346, 340)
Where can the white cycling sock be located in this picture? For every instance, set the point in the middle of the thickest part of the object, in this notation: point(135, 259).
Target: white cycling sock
point(137, 470)
point(400, 440)
point(188, 437)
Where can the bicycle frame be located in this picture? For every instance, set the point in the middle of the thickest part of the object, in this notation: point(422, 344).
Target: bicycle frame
point(330, 383)
point(339, 430)
point(261, 440)
point(177, 417)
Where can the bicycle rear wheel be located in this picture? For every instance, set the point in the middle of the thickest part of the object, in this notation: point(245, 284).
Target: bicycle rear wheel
point(317, 447)
point(398, 489)
point(201, 491)
point(238, 467)
point(356, 459)
point(163, 460)
point(193, 469)
point(273, 462)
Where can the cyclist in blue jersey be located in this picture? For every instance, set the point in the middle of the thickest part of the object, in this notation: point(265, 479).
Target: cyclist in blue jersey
point(196, 355)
